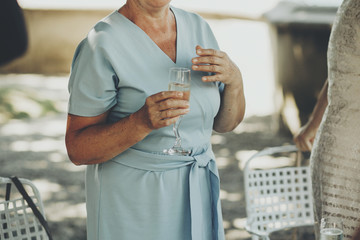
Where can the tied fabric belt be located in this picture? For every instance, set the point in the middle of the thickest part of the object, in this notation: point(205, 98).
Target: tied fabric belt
point(203, 157)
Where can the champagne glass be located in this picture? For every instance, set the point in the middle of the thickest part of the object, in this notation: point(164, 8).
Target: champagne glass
point(179, 80)
point(331, 229)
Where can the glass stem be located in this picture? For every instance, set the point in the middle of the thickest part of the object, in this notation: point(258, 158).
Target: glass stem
point(176, 132)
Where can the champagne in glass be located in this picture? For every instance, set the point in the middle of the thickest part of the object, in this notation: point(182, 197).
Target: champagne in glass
point(179, 80)
point(331, 229)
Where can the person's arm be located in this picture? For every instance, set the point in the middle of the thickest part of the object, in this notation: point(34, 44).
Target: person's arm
point(357, 234)
point(13, 40)
point(232, 106)
point(91, 140)
point(305, 138)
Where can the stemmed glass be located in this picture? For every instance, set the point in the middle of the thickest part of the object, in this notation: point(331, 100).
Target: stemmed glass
point(179, 80)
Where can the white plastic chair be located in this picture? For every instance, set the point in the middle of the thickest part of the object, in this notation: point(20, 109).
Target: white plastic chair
point(17, 220)
point(277, 199)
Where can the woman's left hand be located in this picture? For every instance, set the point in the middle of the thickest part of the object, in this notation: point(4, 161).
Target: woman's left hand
point(218, 62)
point(232, 105)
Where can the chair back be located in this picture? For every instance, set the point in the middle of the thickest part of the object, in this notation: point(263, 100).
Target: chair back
point(17, 220)
point(277, 198)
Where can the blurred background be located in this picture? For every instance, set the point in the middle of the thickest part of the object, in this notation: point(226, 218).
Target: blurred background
point(280, 47)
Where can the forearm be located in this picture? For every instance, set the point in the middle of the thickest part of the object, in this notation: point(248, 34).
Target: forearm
point(102, 142)
point(232, 109)
point(91, 140)
point(306, 135)
point(319, 109)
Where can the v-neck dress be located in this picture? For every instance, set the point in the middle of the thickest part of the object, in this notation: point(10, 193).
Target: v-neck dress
point(143, 193)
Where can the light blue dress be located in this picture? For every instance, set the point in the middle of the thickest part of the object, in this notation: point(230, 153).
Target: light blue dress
point(143, 194)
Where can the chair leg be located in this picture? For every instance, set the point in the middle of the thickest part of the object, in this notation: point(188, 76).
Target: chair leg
point(294, 234)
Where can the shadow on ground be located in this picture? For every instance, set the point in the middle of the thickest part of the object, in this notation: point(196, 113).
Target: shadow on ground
point(34, 148)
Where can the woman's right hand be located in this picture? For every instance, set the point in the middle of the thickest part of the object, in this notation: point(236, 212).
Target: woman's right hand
point(163, 109)
point(91, 140)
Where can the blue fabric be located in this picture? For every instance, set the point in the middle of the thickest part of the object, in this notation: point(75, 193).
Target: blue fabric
point(142, 193)
point(200, 158)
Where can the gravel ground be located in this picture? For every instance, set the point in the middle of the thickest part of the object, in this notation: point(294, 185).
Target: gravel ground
point(32, 147)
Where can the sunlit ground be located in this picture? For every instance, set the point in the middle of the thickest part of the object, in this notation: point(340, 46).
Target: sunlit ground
point(32, 145)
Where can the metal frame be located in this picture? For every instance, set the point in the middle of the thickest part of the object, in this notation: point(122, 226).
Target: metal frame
point(17, 221)
point(279, 198)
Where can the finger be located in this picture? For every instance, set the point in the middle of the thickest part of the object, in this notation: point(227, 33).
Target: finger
point(212, 78)
point(167, 122)
point(173, 104)
point(308, 146)
point(305, 146)
point(161, 96)
point(299, 142)
point(208, 60)
point(209, 52)
point(301, 146)
point(172, 113)
point(207, 68)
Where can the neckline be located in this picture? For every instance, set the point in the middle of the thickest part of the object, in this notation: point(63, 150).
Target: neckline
point(134, 26)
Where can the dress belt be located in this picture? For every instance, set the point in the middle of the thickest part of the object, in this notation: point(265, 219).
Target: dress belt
point(202, 157)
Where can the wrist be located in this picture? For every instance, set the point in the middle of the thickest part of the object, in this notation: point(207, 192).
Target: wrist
point(141, 128)
point(237, 80)
point(235, 86)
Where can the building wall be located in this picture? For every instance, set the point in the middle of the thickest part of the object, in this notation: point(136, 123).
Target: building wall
point(53, 37)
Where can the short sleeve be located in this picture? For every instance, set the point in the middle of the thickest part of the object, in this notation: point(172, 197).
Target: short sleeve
point(92, 83)
point(221, 87)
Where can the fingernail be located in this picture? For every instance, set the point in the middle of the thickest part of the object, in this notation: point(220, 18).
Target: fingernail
point(195, 60)
point(199, 51)
point(205, 78)
point(195, 67)
point(180, 94)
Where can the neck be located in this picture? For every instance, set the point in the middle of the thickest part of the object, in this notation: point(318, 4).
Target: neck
point(147, 14)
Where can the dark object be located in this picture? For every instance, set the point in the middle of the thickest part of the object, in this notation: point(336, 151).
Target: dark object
point(300, 35)
point(13, 35)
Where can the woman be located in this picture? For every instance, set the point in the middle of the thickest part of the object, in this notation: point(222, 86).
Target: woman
point(120, 120)
point(335, 158)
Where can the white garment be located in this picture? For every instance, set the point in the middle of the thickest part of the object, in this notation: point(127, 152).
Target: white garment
point(335, 159)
